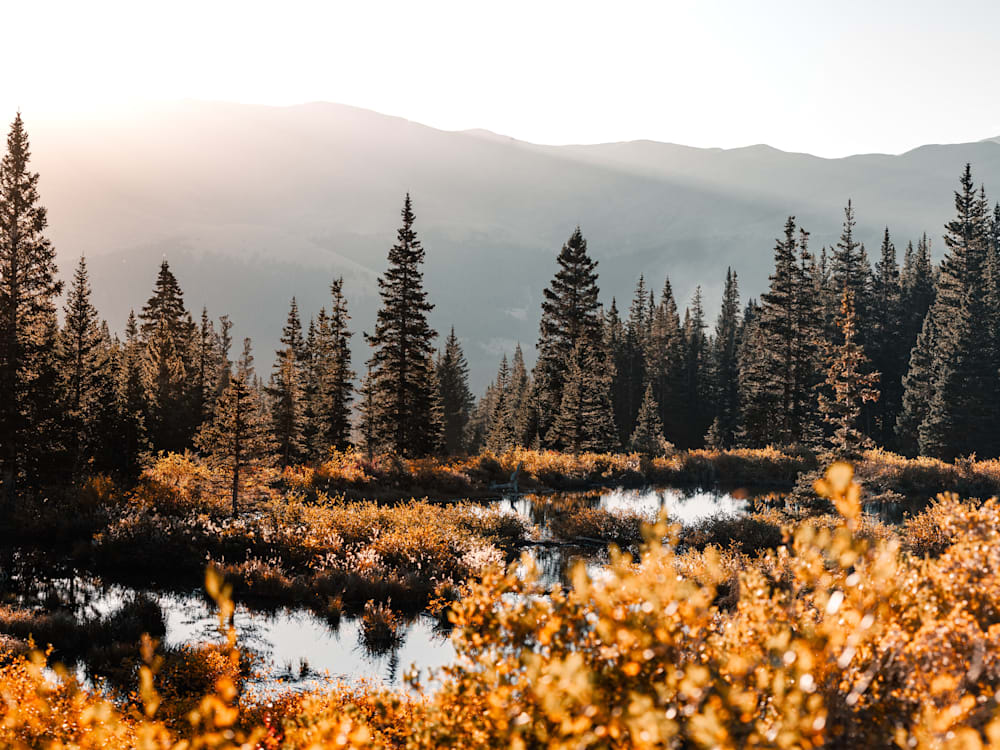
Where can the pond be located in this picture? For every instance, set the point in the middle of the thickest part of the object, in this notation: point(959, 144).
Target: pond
point(298, 647)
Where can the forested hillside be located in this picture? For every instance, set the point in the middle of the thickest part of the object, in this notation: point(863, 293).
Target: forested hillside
point(252, 205)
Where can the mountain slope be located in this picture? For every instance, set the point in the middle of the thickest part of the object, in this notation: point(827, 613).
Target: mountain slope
point(253, 204)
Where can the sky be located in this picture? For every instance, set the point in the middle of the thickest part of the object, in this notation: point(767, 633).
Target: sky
point(828, 78)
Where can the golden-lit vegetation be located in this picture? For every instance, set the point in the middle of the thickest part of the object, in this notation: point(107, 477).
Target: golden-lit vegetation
point(838, 638)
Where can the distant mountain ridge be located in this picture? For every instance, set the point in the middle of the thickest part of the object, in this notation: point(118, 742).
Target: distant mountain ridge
point(252, 204)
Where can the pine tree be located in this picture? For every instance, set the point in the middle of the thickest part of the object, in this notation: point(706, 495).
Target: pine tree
point(784, 375)
point(850, 270)
point(725, 368)
point(28, 288)
point(585, 421)
point(367, 414)
point(238, 438)
point(918, 282)
point(697, 375)
point(501, 428)
point(631, 366)
point(520, 395)
point(454, 394)
point(206, 365)
point(285, 392)
point(334, 378)
point(963, 362)
point(615, 346)
point(84, 364)
point(848, 386)
point(759, 396)
point(130, 402)
point(168, 333)
point(647, 438)
point(402, 364)
point(889, 353)
point(570, 318)
point(664, 363)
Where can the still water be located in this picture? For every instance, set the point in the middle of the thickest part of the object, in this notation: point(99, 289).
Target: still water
point(297, 647)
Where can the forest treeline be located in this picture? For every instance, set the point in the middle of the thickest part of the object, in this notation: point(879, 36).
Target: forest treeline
point(835, 355)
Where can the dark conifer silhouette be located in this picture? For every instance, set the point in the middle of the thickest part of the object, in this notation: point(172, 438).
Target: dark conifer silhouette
point(28, 289)
point(406, 418)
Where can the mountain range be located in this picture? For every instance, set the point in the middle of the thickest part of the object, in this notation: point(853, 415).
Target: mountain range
point(253, 204)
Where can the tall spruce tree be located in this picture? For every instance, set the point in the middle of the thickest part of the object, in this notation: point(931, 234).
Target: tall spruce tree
point(168, 333)
point(520, 394)
point(28, 289)
point(402, 366)
point(238, 438)
point(331, 365)
point(130, 399)
point(888, 350)
point(918, 290)
point(726, 389)
point(665, 363)
point(286, 391)
point(961, 355)
point(454, 394)
point(206, 369)
point(759, 398)
point(84, 363)
point(850, 269)
point(696, 387)
point(571, 321)
point(616, 346)
point(778, 386)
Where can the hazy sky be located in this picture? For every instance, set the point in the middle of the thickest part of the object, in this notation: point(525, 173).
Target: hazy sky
point(829, 78)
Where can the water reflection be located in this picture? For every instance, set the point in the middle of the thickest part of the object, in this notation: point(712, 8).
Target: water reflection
point(296, 646)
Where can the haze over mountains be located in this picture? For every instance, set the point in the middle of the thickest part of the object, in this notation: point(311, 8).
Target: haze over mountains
point(254, 204)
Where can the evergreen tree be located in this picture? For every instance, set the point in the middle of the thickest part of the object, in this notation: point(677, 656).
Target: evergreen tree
point(783, 377)
point(889, 353)
point(850, 270)
point(647, 438)
point(918, 281)
point(570, 320)
point(130, 402)
point(454, 395)
point(367, 414)
point(28, 288)
point(725, 368)
point(631, 365)
point(665, 363)
point(848, 386)
point(616, 347)
point(759, 396)
point(520, 399)
point(84, 362)
point(501, 429)
point(168, 332)
point(963, 363)
point(402, 365)
point(206, 366)
point(331, 364)
point(585, 421)
point(238, 438)
point(285, 392)
point(696, 387)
